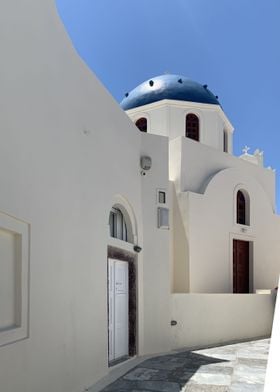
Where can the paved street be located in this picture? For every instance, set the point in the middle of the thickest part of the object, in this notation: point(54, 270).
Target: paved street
point(232, 368)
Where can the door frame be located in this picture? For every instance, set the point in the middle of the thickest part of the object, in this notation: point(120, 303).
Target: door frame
point(251, 240)
point(241, 262)
point(131, 258)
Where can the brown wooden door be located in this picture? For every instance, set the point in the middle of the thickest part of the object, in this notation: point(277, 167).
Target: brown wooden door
point(240, 266)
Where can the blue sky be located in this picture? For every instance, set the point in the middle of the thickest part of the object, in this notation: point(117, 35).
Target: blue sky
point(231, 45)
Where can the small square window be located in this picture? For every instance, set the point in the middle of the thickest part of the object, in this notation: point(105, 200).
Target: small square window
point(161, 197)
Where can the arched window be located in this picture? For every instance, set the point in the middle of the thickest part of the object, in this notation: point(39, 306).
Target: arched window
point(192, 127)
point(142, 124)
point(242, 208)
point(118, 228)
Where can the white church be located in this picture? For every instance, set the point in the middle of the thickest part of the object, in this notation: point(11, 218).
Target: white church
point(125, 230)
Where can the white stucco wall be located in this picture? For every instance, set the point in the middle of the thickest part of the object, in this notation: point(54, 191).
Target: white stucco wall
point(156, 249)
point(180, 244)
point(207, 181)
point(200, 162)
point(205, 319)
point(66, 151)
point(272, 383)
point(157, 119)
point(67, 155)
point(211, 265)
point(168, 118)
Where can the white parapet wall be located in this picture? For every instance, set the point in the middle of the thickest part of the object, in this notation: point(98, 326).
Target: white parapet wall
point(206, 319)
point(272, 381)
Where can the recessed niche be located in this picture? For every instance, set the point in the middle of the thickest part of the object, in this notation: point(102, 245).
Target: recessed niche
point(163, 218)
point(10, 245)
point(14, 260)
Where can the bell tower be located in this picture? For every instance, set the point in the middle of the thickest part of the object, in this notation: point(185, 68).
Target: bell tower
point(175, 106)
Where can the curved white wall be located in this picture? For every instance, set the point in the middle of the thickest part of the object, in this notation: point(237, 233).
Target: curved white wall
point(211, 265)
point(66, 149)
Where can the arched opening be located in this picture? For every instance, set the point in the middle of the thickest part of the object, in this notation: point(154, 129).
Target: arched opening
point(117, 224)
point(121, 286)
point(120, 224)
point(242, 208)
point(142, 124)
point(192, 127)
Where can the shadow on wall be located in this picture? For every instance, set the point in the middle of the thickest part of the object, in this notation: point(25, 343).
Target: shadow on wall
point(166, 372)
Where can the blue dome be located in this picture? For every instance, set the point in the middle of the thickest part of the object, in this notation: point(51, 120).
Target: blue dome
point(168, 86)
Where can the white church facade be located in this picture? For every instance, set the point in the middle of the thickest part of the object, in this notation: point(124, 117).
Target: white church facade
point(224, 202)
point(124, 231)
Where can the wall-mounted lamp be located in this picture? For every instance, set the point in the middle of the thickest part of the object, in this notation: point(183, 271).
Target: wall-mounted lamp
point(137, 248)
point(145, 164)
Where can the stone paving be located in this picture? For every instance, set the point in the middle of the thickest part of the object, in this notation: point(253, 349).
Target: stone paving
point(232, 368)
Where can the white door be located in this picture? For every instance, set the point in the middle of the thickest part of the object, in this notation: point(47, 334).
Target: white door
point(118, 308)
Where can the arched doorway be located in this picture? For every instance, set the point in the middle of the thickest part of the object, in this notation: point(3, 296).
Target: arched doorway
point(121, 287)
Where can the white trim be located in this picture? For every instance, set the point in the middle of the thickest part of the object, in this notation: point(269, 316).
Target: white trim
point(20, 330)
point(125, 207)
point(115, 242)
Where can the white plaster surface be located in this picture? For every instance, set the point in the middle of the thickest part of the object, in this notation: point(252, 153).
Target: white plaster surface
point(206, 182)
point(67, 150)
point(204, 319)
point(67, 155)
point(272, 381)
point(167, 118)
point(156, 272)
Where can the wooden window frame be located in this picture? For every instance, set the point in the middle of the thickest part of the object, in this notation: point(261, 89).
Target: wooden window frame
point(118, 228)
point(242, 208)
